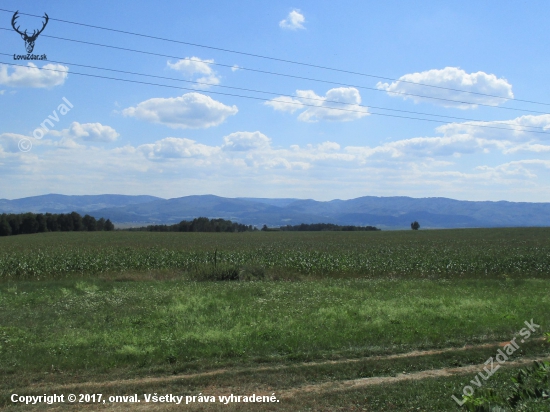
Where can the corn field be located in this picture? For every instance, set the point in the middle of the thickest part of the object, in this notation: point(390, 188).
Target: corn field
point(435, 255)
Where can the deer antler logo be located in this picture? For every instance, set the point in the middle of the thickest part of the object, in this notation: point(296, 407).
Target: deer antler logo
point(29, 40)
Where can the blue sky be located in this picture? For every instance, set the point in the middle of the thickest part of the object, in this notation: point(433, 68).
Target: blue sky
point(130, 138)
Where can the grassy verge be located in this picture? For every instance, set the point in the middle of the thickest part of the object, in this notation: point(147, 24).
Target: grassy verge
point(100, 325)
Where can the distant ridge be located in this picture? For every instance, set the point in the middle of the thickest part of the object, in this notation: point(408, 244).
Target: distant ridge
point(384, 212)
point(53, 203)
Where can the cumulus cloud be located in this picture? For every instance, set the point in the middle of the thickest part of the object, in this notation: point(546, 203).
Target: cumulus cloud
point(254, 149)
point(458, 161)
point(323, 108)
point(456, 146)
point(32, 76)
point(285, 104)
point(507, 137)
point(294, 21)
point(328, 147)
point(528, 147)
point(176, 148)
point(518, 129)
point(9, 142)
point(190, 111)
point(518, 168)
point(245, 141)
point(468, 138)
point(329, 111)
point(451, 78)
point(245, 163)
point(244, 150)
point(197, 70)
point(91, 132)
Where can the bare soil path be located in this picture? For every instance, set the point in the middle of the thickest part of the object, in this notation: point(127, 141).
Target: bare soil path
point(94, 385)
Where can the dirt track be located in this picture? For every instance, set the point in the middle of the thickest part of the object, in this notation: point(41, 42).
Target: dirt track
point(288, 394)
point(92, 386)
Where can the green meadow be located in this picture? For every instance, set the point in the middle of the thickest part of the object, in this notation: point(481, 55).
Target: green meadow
point(122, 312)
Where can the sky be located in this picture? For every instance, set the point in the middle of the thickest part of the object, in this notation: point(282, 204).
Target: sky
point(305, 99)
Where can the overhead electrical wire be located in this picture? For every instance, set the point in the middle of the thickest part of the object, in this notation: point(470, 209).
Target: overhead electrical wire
point(274, 93)
point(276, 59)
point(517, 128)
point(289, 75)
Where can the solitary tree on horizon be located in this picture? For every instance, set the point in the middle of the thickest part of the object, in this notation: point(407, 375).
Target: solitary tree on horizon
point(415, 225)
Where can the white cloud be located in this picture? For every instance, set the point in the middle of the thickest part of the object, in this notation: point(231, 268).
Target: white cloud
point(451, 78)
point(528, 147)
point(174, 167)
point(254, 148)
point(32, 76)
point(525, 168)
point(193, 67)
point(295, 20)
point(323, 108)
point(456, 164)
point(328, 111)
point(9, 142)
point(235, 68)
point(245, 141)
point(465, 138)
point(190, 111)
point(87, 132)
point(518, 129)
point(285, 104)
point(456, 146)
point(91, 132)
point(328, 146)
point(176, 148)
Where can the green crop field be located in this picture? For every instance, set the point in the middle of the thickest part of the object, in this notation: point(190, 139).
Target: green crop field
point(478, 253)
point(325, 320)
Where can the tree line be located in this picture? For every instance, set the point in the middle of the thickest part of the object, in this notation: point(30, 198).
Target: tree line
point(201, 224)
point(27, 223)
point(318, 227)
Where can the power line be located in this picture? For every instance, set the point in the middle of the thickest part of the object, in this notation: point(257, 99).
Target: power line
point(287, 75)
point(520, 128)
point(275, 94)
point(277, 59)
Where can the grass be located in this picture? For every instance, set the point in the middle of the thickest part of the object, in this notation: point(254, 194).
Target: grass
point(102, 325)
point(81, 307)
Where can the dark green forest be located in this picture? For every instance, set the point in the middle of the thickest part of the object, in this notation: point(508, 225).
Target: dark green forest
point(27, 223)
point(318, 227)
point(201, 224)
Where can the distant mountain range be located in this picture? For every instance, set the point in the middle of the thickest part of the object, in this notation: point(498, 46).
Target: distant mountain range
point(383, 212)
